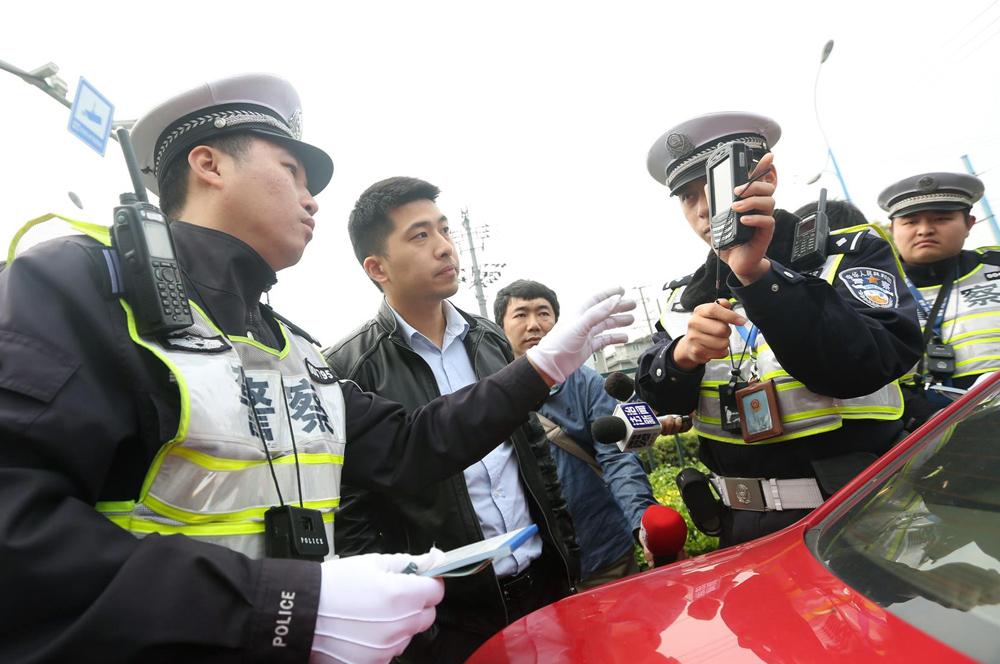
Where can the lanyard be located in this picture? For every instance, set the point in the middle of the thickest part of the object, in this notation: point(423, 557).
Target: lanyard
point(933, 315)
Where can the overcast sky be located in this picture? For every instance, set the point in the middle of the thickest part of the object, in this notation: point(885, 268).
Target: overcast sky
point(536, 116)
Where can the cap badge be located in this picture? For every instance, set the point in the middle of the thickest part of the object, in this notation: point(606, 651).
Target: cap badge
point(679, 145)
point(926, 183)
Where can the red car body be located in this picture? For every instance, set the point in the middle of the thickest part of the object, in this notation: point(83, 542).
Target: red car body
point(770, 599)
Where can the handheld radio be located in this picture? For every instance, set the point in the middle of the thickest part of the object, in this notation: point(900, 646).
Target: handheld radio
point(811, 234)
point(727, 168)
point(152, 277)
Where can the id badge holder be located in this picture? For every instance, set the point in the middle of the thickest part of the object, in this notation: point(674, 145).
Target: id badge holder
point(729, 412)
point(758, 408)
point(295, 532)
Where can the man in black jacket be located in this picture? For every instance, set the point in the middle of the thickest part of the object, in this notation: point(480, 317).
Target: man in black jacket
point(134, 468)
point(420, 346)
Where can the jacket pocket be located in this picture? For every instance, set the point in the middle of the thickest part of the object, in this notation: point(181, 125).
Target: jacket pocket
point(31, 374)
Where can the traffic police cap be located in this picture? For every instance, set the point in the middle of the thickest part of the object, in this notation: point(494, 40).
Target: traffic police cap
point(258, 104)
point(931, 191)
point(679, 156)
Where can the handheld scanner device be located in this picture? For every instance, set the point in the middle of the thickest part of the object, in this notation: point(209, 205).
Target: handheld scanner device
point(727, 168)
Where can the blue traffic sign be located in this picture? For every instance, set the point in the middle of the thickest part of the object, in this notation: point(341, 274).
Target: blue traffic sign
point(91, 115)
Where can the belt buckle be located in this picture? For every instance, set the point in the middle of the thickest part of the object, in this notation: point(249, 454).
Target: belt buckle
point(745, 493)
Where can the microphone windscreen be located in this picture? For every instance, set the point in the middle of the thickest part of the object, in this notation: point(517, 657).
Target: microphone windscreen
point(608, 429)
point(619, 386)
point(665, 529)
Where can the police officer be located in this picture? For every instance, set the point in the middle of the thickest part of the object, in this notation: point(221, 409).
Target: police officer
point(824, 346)
point(143, 477)
point(958, 299)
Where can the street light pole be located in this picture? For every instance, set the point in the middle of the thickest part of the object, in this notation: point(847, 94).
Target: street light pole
point(827, 49)
point(984, 202)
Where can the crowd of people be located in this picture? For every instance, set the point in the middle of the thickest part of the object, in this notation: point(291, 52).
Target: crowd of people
point(165, 495)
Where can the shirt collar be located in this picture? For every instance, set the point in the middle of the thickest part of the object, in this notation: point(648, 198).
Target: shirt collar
point(455, 326)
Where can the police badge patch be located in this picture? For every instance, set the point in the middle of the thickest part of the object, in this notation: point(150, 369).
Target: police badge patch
point(875, 288)
point(322, 375)
point(193, 343)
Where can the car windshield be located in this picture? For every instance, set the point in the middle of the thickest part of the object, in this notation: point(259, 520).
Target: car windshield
point(924, 541)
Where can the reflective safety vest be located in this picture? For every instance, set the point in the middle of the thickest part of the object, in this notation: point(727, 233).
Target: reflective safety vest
point(971, 321)
point(212, 481)
point(803, 413)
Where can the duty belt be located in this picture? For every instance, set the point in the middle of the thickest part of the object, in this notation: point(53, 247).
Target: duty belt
point(766, 495)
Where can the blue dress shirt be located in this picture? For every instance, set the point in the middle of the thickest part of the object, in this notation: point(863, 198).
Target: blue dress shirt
point(494, 482)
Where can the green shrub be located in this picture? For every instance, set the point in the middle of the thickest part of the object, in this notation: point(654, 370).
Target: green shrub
point(666, 493)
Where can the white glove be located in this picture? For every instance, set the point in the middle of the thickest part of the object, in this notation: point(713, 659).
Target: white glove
point(572, 340)
point(369, 610)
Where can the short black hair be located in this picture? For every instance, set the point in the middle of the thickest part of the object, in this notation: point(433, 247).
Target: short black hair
point(840, 214)
point(523, 289)
point(369, 224)
point(173, 182)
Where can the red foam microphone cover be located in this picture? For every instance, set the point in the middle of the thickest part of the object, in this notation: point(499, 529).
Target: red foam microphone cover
point(665, 529)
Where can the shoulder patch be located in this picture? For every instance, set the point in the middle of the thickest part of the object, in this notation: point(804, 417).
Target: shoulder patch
point(845, 243)
point(875, 288)
point(193, 343)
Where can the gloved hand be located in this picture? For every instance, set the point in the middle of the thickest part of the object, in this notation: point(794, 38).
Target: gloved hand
point(369, 610)
point(573, 339)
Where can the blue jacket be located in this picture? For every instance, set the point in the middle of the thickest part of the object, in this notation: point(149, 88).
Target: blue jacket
point(605, 510)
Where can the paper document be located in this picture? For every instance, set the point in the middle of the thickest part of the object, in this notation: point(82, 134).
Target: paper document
point(471, 558)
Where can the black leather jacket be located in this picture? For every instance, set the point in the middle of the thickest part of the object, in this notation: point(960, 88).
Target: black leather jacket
point(377, 358)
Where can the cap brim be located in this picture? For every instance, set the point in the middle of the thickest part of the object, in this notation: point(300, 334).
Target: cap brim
point(318, 164)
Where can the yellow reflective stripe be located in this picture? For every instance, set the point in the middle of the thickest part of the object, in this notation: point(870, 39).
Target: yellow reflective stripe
point(100, 233)
point(972, 342)
point(249, 514)
point(882, 234)
point(124, 506)
point(982, 314)
point(150, 526)
point(974, 333)
point(977, 372)
point(812, 431)
point(981, 358)
point(247, 340)
point(210, 462)
point(834, 268)
point(185, 415)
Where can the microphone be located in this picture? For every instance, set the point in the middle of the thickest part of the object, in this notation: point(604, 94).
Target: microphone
point(663, 533)
point(616, 428)
point(619, 386)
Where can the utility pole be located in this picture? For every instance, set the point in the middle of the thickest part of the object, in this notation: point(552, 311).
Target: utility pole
point(477, 278)
point(645, 310)
point(984, 202)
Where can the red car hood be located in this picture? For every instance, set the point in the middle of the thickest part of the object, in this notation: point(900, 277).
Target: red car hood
point(767, 600)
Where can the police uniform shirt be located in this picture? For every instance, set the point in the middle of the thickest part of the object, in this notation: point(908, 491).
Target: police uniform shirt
point(83, 411)
point(827, 336)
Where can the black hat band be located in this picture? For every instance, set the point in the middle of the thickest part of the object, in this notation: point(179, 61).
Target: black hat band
point(240, 117)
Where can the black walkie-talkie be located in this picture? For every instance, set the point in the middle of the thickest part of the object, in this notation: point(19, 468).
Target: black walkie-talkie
point(811, 234)
point(141, 238)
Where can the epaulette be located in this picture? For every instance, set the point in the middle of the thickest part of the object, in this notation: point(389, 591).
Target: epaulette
point(990, 257)
point(290, 325)
point(677, 283)
point(846, 243)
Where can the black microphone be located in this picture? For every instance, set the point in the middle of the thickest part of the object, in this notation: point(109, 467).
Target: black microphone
point(629, 427)
point(619, 386)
